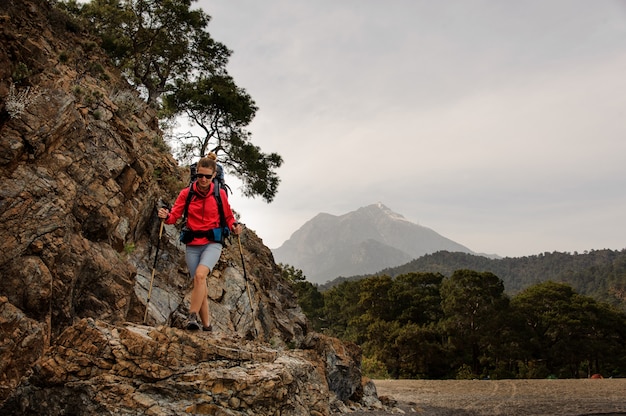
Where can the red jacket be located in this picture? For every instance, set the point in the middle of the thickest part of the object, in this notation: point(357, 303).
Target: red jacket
point(203, 213)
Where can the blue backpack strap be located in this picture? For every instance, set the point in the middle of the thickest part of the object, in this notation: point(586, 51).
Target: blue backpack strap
point(220, 208)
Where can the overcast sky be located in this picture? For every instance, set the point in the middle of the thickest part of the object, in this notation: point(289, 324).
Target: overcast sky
point(498, 124)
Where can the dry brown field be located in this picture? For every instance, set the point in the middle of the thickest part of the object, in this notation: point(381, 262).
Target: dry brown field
point(505, 397)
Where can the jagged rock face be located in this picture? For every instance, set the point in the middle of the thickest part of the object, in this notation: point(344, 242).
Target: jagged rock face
point(80, 248)
point(21, 344)
point(78, 183)
point(163, 371)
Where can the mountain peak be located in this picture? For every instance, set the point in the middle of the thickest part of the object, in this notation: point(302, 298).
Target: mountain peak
point(363, 241)
point(379, 206)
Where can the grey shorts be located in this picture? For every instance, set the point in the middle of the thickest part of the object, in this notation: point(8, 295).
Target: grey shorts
point(207, 255)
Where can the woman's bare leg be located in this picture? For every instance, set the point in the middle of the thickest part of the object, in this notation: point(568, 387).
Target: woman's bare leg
point(199, 301)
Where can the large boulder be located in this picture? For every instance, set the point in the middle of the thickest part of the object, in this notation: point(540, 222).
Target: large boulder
point(96, 369)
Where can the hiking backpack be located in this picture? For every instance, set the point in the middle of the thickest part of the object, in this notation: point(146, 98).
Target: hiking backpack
point(219, 176)
point(218, 234)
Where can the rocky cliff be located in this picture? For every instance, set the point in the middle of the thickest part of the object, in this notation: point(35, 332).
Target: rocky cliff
point(83, 167)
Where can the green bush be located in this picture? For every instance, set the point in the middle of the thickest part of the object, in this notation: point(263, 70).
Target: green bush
point(374, 369)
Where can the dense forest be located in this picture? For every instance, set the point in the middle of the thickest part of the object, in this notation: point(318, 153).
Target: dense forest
point(561, 316)
point(600, 274)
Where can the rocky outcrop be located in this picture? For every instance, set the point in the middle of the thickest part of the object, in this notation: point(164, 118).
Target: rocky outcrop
point(83, 168)
point(133, 369)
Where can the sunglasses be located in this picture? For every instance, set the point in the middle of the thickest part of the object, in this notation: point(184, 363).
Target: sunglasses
point(202, 175)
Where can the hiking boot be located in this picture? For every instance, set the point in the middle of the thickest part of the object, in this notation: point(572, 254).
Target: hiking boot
point(207, 328)
point(192, 322)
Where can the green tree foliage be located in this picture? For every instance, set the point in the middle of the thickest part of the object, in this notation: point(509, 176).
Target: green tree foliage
point(164, 49)
point(375, 301)
point(312, 303)
point(309, 298)
point(290, 273)
point(567, 331)
point(597, 273)
point(222, 110)
point(424, 325)
point(155, 42)
point(416, 298)
point(217, 105)
point(341, 307)
point(424, 351)
point(473, 304)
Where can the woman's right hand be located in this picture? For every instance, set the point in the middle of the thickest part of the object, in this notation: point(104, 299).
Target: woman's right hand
point(163, 213)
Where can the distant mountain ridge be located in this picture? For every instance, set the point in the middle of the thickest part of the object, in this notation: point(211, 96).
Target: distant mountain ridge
point(597, 273)
point(367, 240)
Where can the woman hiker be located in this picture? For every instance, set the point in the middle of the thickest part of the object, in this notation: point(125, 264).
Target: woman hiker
point(205, 236)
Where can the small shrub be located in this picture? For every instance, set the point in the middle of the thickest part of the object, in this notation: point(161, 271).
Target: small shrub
point(60, 19)
point(172, 185)
point(20, 73)
point(127, 102)
point(129, 248)
point(133, 126)
point(74, 26)
point(159, 143)
point(465, 373)
point(374, 369)
point(533, 369)
point(96, 68)
point(90, 46)
point(17, 101)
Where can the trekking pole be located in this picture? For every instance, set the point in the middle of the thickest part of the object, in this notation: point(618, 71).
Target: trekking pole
point(245, 278)
point(156, 257)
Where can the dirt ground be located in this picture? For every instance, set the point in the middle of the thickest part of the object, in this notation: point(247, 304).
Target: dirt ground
point(504, 397)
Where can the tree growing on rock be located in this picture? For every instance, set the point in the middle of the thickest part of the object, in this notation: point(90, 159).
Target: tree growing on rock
point(165, 51)
point(221, 111)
